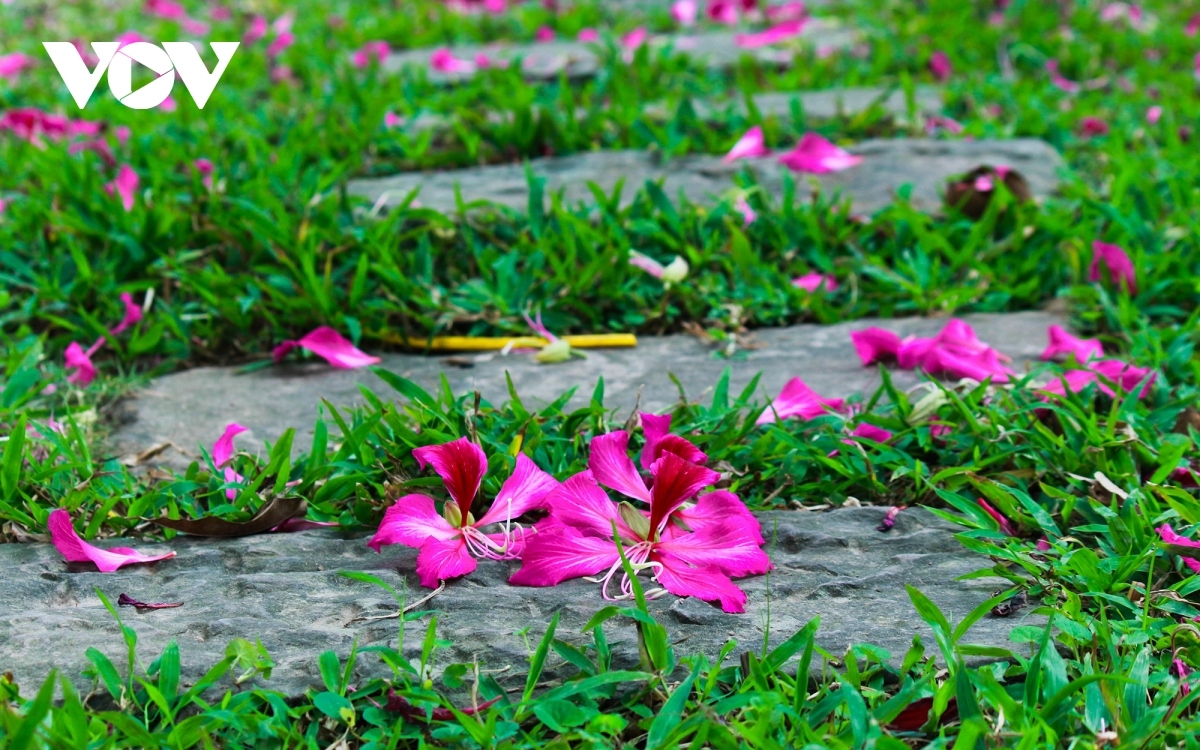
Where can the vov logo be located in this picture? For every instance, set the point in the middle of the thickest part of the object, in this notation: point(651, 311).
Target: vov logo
point(170, 58)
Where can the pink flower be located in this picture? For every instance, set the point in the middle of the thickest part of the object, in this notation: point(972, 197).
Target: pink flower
point(1093, 126)
point(1153, 115)
point(79, 359)
point(811, 282)
point(955, 352)
point(635, 39)
point(283, 24)
point(444, 61)
point(722, 11)
point(378, 50)
point(750, 145)
point(875, 344)
point(1180, 545)
point(222, 456)
point(743, 207)
point(12, 64)
point(816, 155)
point(74, 549)
point(1005, 525)
point(133, 314)
point(798, 400)
point(450, 542)
point(125, 185)
point(1070, 87)
point(577, 539)
point(205, 168)
point(1116, 261)
point(392, 120)
point(588, 35)
point(122, 132)
point(544, 34)
point(220, 13)
point(870, 432)
point(1124, 375)
point(1193, 25)
point(656, 431)
point(684, 12)
point(165, 9)
point(1064, 344)
point(280, 43)
point(258, 29)
point(1181, 670)
point(774, 35)
point(939, 65)
point(328, 344)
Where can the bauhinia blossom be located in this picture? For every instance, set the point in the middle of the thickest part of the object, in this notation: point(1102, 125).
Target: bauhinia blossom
point(1063, 344)
point(816, 155)
point(1181, 545)
point(222, 456)
point(80, 360)
point(133, 314)
point(329, 344)
point(1114, 260)
point(955, 351)
point(125, 185)
point(74, 549)
point(811, 282)
point(798, 400)
point(672, 273)
point(774, 35)
point(450, 542)
point(750, 145)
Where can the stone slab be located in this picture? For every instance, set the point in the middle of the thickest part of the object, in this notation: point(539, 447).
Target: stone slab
point(285, 590)
point(549, 60)
point(888, 164)
point(191, 408)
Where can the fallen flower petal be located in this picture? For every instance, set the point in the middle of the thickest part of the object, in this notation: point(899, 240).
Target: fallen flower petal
point(635, 39)
point(280, 43)
point(124, 600)
point(875, 344)
point(722, 11)
point(889, 518)
point(939, 65)
point(125, 185)
point(133, 314)
point(1116, 261)
point(743, 207)
point(75, 357)
point(1180, 545)
point(1063, 343)
point(258, 29)
point(1093, 126)
point(74, 549)
point(656, 431)
point(1070, 87)
point(12, 64)
point(588, 35)
point(871, 432)
point(379, 50)
point(798, 400)
point(1153, 115)
point(811, 282)
point(331, 346)
point(750, 145)
point(1005, 525)
point(684, 12)
point(444, 61)
point(774, 35)
point(816, 155)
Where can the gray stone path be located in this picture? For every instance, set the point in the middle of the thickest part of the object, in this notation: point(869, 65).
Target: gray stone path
point(872, 185)
point(191, 408)
point(549, 60)
point(285, 589)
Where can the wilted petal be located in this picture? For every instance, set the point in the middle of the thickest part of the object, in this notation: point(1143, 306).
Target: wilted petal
point(707, 583)
point(875, 344)
point(811, 282)
point(750, 145)
point(461, 464)
point(222, 452)
point(675, 481)
point(871, 432)
point(442, 560)
point(608, 459)
point(816, 155)
point(525, 490)
point(798, 400)
point(1074, 381)
point(330, 345)
point(646, 263)
point(74, 549)
point(1116, 261)
point(411, 521)
point(551, 558)
point(1063, 343)
point(133, 314)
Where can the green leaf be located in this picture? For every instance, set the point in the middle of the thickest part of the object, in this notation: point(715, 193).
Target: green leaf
point(671, 714)
point(37, 710)
point(335, 707)
point(538, 662)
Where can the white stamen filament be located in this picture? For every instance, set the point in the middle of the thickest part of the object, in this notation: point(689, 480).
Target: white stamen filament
point(480, 545)
point(637, 555)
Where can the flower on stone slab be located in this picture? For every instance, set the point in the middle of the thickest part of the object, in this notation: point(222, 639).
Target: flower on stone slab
point(450, 542)
point(875, 345)
point(749, 146)
point(330, 345)
point(956, 352)
point(798, 400)
point(74, 549)
point(816, 155)
point(444, 61)
point(1063, 344)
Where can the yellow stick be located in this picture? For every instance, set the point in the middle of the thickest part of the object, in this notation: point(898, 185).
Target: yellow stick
point(485, 343)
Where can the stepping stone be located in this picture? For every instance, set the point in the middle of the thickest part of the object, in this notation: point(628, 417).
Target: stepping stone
point(924, 164)
point(826, 104)
point(285, 590)
point(191, 408)
point(549, 60)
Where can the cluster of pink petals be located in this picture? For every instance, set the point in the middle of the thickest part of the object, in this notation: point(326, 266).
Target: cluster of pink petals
point(1116, 262)
point(378, 50)
point(816, 155)
point(74, 549)
point(11, 65)
point(1182, 546)
point(32, 125)
point(693, 544)
point(939, 65)
point(1063, 344)
point(684, 12)
point(450, 542)
point(751, 145)
point(330, 345)
point(774, 35)
point(80, 360)
point(955, 352)
point(125, 186)
point(1100, 372)
point(811, 282)
point(443, 61)
point(1063, 84)
point(798, 400)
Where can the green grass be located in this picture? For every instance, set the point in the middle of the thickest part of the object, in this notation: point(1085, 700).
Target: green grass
point(279, 248)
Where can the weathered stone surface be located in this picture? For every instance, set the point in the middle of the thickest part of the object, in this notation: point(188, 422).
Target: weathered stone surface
point(285, 589)
point(548, 60)
point(191, 408)
point(924, 164)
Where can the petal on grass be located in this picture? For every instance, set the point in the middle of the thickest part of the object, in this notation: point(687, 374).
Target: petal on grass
point(749, 146)
point(74, 549)
point(222, 452)
point(133, 314)
point(1063, 344)
point(798, 400)
point(524, 491)
point(461, 464)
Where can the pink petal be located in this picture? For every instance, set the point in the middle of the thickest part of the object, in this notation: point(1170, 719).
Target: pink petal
point(522, 492)
point(75, 357)
point(871, 432)
point(722, 11)
point(461, 464)
point(257, 30)
point(816, 155)
point(336, 350)
point(165, 9)
point(719, 506)
point(635, 39)
point(412, 520)
point(281, 351)
point(684, 12)
point(231, 477)
point(12, 64)
point(1063, 343)
point(377, 49)
point(222, 452)
point(721, 545)
point(656, 431)
point(750, 145)
point(1070, 87)
point(544, 34)
point(1074, 381)
point(875, 344)
point(746, 210)
point(1178, 545)
point(280, 43)
point(1125, 375)
point(125, 185)
point(939, 65)
point(581, 504)
point(551, 558)
point(774, 35)
point(647, 264)
point(1005, 525)
point(811, 282)
point(444, 61)
point(675, 481)
point(442, 560)
point(74, 549)
point(1116, 261)
point(980, 367)
point(912, 352)
point(133, 314)
point(798, 400)
point(1153, 115)
point(611, 466)
point(707, 583)
point(588, 35)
